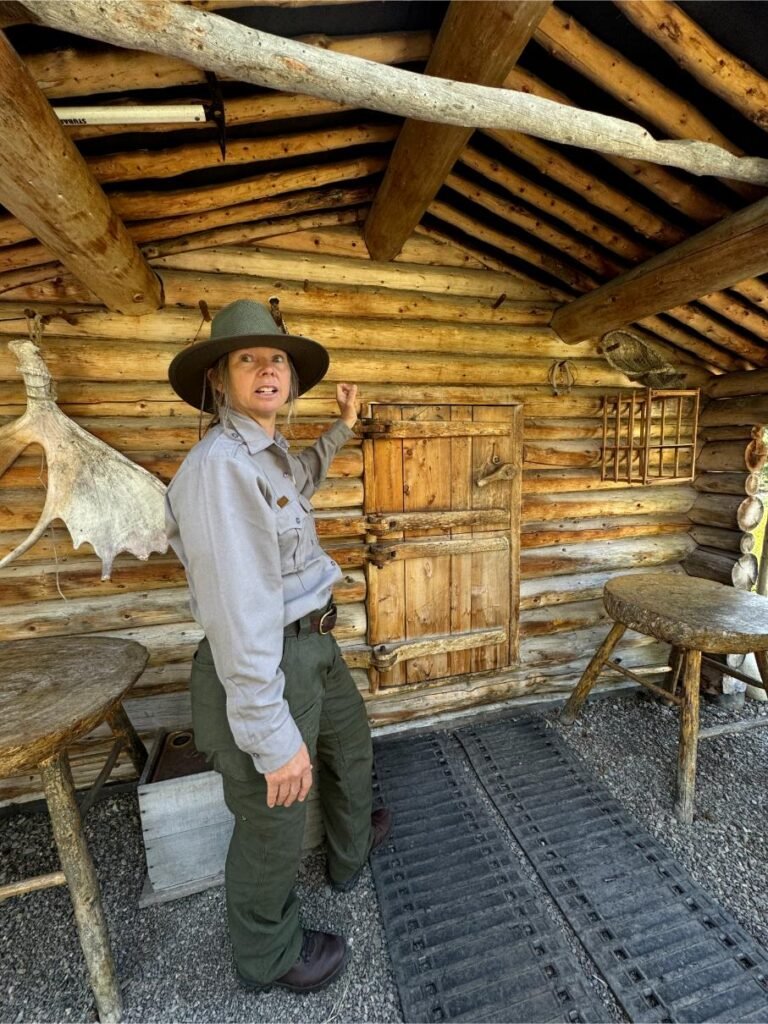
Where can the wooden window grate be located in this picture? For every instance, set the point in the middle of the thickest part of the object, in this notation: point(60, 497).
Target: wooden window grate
point(650, 436)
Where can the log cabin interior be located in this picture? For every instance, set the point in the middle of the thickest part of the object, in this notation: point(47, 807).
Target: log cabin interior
point(560, 340)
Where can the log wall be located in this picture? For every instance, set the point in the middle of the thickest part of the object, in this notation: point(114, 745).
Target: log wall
point(433, 326)
point(730, 480)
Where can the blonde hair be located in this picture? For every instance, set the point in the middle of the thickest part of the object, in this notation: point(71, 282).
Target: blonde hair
point(217, 377)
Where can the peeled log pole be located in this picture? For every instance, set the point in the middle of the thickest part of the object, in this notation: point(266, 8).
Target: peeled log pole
point(247, 55)
point(692, 48)
point(716, 258)
point(737, 385)
point(689, 731)
point(83, 885)
point(476, 43)
point(45, 182)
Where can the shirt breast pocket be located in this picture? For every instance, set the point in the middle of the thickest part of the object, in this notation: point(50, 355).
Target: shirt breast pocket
point(295, 534)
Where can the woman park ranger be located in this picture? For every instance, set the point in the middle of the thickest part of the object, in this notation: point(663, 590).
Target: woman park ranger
point(273, 704)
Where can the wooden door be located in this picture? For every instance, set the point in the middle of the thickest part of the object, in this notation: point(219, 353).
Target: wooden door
point(442, 504)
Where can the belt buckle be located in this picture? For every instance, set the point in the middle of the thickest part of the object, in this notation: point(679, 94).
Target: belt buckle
point(327, 621)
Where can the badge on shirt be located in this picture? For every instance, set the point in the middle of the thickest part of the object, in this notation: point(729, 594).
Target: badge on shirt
point(282, 502)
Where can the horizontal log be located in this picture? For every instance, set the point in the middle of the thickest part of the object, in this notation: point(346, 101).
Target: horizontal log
point(185, 288)
point(606, 529)
point(747, 411)
point(26, 583)
point(334, 331)
point(559, 481)
point(596, 557)
point(138, 399)
point(138, 165)
point(728, 483)
point(562, 618)
point(718, 538)
point(422, 247)
point(732, 432)
point(728, 511)
point(541, 593)
point(623, 502)
point(91, 615)
point(338, 271)
point(710, 564)
point(739, 385)
point(731, 456)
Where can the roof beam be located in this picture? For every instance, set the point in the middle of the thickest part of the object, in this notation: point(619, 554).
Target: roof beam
point(718, 70)
point(248, 55)
point(716, 258)
point(479, 43)
point(45, 182)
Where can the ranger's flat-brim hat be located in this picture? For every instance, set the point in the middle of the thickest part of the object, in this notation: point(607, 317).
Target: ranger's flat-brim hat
point(242, 324)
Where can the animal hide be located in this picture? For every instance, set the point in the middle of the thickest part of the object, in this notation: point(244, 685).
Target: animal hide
point(102, 497)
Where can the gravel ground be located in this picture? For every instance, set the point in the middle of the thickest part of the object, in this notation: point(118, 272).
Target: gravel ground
point(174, 961)
point(630, 744)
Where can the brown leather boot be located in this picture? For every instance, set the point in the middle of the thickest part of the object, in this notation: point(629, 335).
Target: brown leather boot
point(381, 825)
point(321, 960)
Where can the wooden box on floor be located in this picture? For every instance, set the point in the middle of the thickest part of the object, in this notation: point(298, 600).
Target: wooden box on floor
point(186, 824)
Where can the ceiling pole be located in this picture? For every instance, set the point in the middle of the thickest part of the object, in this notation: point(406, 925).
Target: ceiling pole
point(45, 182)
point(478, 42)
point(716, 258)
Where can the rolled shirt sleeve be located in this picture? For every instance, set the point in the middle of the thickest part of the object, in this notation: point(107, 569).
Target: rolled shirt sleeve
point(229, 546)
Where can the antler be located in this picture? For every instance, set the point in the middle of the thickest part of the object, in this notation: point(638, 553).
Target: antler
point(102, 497)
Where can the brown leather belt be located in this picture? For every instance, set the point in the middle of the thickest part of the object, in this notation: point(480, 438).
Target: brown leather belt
point(321, 621)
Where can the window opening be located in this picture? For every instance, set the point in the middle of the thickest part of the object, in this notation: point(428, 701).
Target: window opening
point(650, 436)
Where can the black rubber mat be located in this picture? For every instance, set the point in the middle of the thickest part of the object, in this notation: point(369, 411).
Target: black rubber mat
point(668, 951)
point(467, 939)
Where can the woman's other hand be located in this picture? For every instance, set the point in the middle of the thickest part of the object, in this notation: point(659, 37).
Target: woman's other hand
point(291, 782)
point(346, 396)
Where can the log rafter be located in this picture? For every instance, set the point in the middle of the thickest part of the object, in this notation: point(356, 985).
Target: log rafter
point(477, 43)
point(715, 258)
point(717, 69)
point(564, 38)
point(46, 183)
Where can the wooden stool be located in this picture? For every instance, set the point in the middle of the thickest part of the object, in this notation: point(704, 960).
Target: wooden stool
point(52, 692)
point(693, 615)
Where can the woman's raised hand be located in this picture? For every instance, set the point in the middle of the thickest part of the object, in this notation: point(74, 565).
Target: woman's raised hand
point(346, 396)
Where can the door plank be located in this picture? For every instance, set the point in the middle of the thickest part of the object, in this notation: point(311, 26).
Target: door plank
point(460, 661)
point(386, 586)
point(427, 484)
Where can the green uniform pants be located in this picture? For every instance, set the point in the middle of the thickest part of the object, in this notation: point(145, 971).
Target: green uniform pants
point(265, 851)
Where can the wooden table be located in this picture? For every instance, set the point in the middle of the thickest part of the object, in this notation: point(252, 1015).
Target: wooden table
point(53, 691)
point(693, 615)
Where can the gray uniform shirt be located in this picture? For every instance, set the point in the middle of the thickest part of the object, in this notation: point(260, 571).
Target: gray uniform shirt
point(238, 516)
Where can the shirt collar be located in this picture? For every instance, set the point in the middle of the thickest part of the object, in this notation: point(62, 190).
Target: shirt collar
point(255, 437)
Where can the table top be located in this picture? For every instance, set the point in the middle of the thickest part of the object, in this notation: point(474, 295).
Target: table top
point(53, 690)
point(689, 612)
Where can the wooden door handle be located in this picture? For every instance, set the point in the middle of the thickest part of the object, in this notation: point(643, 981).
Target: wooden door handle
point(504, 472)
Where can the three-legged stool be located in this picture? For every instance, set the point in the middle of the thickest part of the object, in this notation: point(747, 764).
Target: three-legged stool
point(53, 691)
point(694, 615)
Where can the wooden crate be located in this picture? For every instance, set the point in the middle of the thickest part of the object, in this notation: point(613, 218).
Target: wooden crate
point(187, 828)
